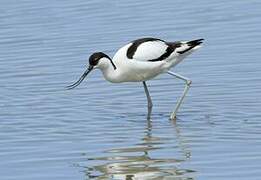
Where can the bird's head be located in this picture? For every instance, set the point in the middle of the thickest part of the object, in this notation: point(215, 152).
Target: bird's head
point(96, 60)
point(99, 60)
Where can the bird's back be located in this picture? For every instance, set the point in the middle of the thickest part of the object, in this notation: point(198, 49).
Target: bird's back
point(145, 58)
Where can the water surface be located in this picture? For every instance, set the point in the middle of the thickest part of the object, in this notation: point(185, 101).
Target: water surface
point(99, 130)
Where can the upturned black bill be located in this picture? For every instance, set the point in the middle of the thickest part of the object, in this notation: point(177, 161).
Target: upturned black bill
point(90, 68)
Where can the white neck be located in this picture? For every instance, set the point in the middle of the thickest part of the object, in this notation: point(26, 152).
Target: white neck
point(108, 70)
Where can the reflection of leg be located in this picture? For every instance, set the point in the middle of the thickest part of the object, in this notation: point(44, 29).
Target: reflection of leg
point(181, 141)
point(148, 99)
point(188, 82)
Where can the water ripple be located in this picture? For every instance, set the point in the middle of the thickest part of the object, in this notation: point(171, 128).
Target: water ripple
point(99, 130)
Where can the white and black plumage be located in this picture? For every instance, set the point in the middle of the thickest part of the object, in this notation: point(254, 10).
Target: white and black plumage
point(142, 60)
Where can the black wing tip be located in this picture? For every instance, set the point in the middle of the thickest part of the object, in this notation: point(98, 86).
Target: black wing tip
point(192, 44)
point(195, 42)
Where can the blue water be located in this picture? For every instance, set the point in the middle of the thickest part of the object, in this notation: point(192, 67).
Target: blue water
point(99, 130)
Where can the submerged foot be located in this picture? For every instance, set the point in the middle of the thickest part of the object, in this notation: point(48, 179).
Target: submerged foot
point(173, 117)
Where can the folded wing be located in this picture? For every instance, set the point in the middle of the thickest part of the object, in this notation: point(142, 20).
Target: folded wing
point(152, 49)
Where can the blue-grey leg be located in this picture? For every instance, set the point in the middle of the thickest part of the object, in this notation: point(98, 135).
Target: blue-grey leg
point(187, 85)
point(148, 99)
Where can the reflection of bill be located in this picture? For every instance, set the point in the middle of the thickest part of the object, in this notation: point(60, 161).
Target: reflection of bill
point(135, 163)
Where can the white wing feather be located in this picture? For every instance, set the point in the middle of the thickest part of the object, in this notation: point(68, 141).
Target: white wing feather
point(150, 50)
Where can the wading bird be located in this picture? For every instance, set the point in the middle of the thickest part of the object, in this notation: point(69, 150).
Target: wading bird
point(142, 60)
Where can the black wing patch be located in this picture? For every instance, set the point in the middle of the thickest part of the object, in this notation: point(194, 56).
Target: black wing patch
point(135, 44)
point(170, 49)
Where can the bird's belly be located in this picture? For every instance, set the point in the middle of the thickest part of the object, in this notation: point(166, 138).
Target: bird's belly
point(135, 71)
point(138, 75)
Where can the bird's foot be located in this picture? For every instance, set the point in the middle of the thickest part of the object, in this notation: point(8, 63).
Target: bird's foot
point(173, 117)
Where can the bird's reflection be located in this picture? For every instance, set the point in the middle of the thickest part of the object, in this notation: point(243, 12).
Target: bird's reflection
point(137, 163)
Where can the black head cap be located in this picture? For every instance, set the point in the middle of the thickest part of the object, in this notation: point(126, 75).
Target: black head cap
point(95, 57)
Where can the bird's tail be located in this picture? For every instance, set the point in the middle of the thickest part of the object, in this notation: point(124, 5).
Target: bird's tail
point(195, 42)
point(184, 49)
point(189, 45)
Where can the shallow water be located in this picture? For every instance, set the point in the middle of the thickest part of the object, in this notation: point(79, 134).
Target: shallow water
point(99, 130)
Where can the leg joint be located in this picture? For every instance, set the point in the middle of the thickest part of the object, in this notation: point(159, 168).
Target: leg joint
point(188, 82)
